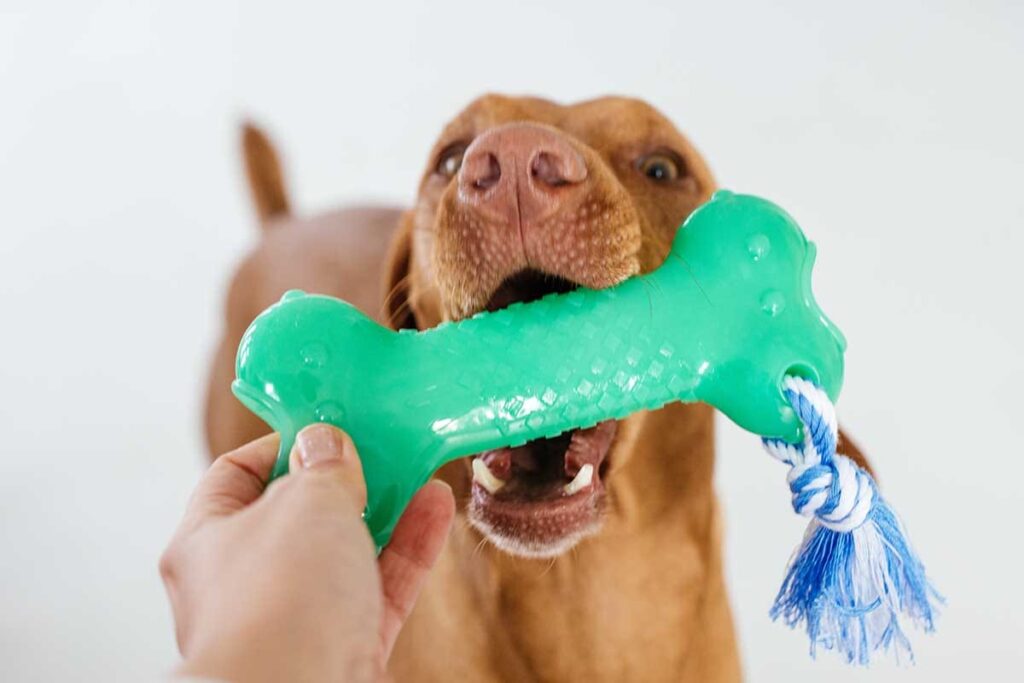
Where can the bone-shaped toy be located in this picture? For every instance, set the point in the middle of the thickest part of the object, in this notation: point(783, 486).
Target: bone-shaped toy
point(723, 320)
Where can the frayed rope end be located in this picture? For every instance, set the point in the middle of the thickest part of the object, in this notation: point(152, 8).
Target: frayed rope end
point(855, 575)
point(851, 588)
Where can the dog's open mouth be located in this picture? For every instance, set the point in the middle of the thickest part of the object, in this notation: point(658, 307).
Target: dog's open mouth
point(539, 499)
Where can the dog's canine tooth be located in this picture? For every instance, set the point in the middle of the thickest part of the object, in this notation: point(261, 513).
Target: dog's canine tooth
point(483, 476)
point(581, 480)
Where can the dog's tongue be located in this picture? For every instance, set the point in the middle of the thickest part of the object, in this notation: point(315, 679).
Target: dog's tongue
point(541, 457)
point(589, 446)
point(575, 449)
point(499, 462)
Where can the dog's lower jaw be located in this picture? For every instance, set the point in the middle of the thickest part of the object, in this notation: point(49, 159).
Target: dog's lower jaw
point(537, 533)
point(517, 546)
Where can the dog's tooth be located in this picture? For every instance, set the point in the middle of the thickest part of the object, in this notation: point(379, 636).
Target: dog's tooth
point(581, 480)
point(483, 476)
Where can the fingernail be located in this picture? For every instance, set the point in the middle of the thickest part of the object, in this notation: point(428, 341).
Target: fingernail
point(442, 483)
point(319, 444)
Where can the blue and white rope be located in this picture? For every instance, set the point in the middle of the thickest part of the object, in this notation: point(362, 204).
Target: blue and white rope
point(855, 573)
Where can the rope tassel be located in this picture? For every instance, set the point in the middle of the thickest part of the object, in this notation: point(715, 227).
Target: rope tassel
point(855, 574)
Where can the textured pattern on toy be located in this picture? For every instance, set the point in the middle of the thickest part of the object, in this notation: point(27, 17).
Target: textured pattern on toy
point(727, 316)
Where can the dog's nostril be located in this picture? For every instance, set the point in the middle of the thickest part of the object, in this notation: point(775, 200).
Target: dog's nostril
point(555, 170)
point(484, 171)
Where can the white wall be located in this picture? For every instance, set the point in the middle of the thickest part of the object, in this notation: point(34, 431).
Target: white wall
point(892, 131)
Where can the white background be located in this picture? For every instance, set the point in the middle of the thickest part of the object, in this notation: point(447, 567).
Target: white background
point(891, 130)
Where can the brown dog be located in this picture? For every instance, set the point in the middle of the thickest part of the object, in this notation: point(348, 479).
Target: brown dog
point(522, 197)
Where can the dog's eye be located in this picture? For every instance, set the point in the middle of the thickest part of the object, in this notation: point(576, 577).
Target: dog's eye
point(450, 160)
point(660, 167)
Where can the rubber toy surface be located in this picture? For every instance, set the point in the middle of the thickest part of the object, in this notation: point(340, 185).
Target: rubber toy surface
point(723, 320)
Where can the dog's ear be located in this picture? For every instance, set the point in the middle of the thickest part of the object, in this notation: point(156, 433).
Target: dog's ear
point(397, 306)
point(847, 447)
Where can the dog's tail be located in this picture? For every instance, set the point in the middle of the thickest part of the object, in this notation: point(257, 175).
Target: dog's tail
point(263, 169)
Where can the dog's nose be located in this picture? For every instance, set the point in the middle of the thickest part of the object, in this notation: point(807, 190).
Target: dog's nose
point(520, 169)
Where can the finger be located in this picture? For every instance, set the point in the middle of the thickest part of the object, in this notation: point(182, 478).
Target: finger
point(234, 480)
point(325, 459)
point(406, 562)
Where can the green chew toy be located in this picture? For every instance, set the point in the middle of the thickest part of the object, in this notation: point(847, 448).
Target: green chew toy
point(727, 316)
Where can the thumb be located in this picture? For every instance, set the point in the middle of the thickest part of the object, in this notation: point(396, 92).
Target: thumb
point(327, 457)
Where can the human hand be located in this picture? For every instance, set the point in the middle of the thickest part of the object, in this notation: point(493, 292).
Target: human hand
point(284, 584)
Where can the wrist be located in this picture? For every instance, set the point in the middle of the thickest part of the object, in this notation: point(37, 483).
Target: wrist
point(268, 654)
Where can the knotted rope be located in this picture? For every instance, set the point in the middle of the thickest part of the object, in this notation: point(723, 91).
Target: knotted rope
point(855, 573)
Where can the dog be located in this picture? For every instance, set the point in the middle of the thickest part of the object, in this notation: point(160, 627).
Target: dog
point(557, 571)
